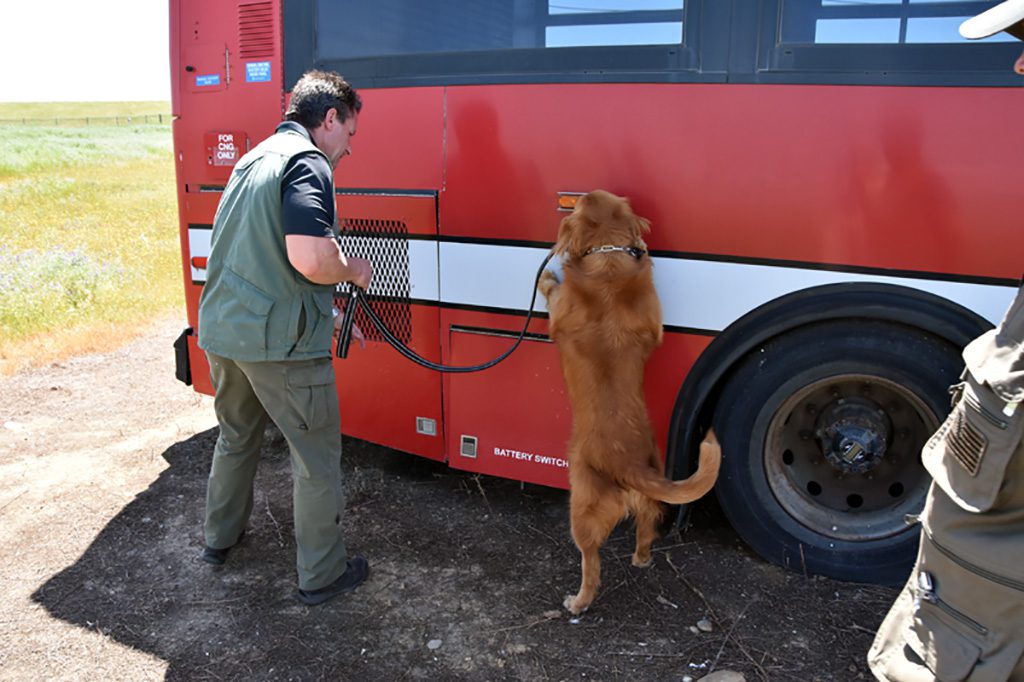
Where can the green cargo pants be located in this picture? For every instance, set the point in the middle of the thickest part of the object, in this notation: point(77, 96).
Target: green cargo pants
point(300, 397)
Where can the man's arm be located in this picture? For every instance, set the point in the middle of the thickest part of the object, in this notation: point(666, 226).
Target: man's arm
point(320, 260)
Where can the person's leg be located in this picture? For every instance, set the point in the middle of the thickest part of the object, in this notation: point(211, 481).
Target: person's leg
point(301, 398)
point(242, 420)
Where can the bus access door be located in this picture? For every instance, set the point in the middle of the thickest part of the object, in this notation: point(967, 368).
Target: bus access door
point(384, 397)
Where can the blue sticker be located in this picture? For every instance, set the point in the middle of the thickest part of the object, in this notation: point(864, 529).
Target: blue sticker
point(257, 72)
point(211, 79)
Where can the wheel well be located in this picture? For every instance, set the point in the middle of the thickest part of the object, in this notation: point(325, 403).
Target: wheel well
point(691, 415)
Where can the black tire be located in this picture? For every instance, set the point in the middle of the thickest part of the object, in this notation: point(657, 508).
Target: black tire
point(821, 431)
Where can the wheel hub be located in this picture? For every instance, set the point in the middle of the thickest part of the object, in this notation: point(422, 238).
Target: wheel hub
point(853, 433)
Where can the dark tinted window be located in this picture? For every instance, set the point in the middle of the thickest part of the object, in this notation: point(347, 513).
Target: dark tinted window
point(883, 41)
point(407, 42)
point(388, 43)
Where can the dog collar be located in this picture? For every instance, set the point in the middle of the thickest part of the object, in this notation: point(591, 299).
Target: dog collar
point(634, 251)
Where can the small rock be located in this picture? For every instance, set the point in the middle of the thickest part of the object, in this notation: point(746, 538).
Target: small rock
point(694, 630)
point(434, 644)
point(724, 676)
point(704, 625)
point(552, 614)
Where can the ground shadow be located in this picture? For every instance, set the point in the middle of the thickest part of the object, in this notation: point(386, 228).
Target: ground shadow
point(469, 573)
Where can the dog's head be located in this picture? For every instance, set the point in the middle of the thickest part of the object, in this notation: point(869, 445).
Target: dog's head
point(599, 219)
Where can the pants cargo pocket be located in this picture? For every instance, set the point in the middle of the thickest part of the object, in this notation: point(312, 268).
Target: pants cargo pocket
point(313, 394)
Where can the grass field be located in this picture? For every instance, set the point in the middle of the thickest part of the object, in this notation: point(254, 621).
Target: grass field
point(89, 248)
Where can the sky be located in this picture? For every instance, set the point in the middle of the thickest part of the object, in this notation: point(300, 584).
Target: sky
point(84, 50)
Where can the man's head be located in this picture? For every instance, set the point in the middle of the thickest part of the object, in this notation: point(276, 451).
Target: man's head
point(328, 107)
point(1006, 16)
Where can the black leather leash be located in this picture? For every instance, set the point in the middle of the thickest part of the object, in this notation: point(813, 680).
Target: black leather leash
point(355, 295)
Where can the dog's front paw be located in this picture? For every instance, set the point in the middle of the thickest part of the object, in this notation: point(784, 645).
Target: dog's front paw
point(643, 561)
point(547, 284)
point(572, 603)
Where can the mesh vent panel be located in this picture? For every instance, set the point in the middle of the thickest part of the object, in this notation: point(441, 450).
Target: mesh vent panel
point(385, 244)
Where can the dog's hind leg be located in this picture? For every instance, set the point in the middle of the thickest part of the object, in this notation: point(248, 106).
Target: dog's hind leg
point(596, 507)
point(647, 513)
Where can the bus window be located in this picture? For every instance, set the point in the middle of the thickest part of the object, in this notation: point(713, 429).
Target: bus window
point(884, 42)
point(620, 23)
point(876, 21)
point(427, 42)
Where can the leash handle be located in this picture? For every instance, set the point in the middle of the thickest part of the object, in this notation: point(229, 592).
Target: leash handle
point(348, 317)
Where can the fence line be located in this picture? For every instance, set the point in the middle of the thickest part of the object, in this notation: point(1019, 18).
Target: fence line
point(90, 120)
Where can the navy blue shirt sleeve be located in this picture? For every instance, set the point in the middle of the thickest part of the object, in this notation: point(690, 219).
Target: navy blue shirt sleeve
point(307, 196)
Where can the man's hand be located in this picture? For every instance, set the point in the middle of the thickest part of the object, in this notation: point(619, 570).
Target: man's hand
point(362, 270)
point(357, 333)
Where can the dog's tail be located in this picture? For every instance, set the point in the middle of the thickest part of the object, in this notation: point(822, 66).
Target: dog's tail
point(653, 483)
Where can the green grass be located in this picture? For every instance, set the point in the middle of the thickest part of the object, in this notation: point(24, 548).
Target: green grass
point(88, 237)
point(49, 110)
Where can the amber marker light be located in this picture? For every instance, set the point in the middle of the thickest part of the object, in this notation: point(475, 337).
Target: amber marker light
point(567, 200)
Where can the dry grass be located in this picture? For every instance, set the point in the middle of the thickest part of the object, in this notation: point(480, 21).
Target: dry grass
point(90, 247)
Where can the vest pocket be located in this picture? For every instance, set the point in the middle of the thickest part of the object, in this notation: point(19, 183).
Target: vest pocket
point(318, 314)
point(968, 455)
point(243, 317)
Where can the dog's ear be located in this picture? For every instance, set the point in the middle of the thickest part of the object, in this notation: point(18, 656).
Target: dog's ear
point(570, 238)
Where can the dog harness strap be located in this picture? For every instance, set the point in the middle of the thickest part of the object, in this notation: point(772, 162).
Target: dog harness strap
point(634, 251)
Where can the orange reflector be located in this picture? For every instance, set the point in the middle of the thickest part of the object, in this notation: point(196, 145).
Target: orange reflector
point(567, 202)
point(199, 262)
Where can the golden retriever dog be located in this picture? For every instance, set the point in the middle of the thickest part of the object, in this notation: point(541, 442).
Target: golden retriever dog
point(605, 318)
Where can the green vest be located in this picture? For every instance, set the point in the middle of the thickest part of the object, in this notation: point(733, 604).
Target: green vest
point(255, 306)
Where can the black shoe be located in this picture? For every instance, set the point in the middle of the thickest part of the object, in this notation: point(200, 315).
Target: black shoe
point(356, 572)
point(217, 557)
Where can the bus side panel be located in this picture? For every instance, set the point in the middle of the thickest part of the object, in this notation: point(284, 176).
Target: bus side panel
point(399, 141)
point(218, 91)
point(519, 412)
point(381, 394)
point(897, 178)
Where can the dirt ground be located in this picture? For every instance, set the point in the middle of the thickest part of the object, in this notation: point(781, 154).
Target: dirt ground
point(103, 464)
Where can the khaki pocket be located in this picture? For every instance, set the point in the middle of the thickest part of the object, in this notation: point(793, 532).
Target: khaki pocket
point(968, 455)
point(237, 324)
point(317, 311)
point(314, 393)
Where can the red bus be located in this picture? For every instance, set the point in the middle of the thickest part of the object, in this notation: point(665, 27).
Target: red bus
point(832, 188)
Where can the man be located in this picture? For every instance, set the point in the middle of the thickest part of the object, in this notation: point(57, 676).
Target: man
point(265, 322)
point(961, 614)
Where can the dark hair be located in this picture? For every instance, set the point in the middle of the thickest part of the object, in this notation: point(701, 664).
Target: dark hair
point(316, 93)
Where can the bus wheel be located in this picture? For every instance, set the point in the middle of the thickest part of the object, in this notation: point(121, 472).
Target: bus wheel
point(821, 430)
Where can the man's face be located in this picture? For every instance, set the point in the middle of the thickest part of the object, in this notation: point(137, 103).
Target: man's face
point(334, 136)
point(1018, 66)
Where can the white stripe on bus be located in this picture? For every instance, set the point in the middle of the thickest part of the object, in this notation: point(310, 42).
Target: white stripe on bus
point(695, 294)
